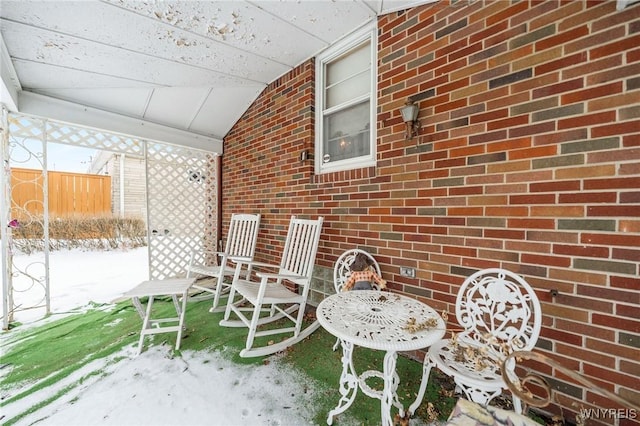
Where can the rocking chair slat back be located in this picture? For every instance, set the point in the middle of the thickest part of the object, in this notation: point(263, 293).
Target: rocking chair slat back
point(243, 233)
point(300, 249)
point(241, 244)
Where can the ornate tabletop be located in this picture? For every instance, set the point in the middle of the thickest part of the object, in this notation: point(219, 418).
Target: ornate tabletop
point(380, 320)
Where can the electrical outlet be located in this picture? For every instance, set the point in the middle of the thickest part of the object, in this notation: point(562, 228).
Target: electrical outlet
point(407, 272)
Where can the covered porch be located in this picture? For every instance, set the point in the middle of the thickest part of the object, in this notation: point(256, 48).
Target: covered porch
point(525, 154)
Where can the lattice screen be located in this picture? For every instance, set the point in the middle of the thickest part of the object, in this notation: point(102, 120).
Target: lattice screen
point(90, 138)
point(182, 207)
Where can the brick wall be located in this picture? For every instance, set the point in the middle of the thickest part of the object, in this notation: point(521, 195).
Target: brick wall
point(528, 159)
point(261, 170)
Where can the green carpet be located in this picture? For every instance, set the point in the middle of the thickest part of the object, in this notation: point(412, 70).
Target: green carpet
point(35, 357)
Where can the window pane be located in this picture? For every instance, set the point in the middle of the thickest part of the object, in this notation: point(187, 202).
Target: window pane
point(347, 134)
point(354, 62)
point(348, 77)
point(348, 89)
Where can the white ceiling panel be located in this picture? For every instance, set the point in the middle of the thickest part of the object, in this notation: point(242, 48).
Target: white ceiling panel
point(224, 105)
point(237, 24)
point(175, 106)
point(128, 33)
point(69, 53)
point(128, 101)
point(321, 19)
point(41, 76)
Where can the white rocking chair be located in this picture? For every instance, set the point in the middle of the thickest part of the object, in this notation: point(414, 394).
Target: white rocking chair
point(241, 245)
point(342, 271)
point(499, 314)
point(270, 293)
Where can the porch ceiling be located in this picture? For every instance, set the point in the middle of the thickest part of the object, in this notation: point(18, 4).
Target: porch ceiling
point(191, 68)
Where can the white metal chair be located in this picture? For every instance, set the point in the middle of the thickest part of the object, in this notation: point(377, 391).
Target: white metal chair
point(280, 294)
point(342, 272)
point(342, 268)
point(499, 314)
point(241, 245)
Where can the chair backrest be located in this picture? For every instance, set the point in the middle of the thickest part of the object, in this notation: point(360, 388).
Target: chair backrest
point(243, 234)
point(498, 308)
point(301, 246)
point(342, 268)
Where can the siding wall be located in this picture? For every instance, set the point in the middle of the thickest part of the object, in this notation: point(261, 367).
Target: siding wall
point(528, 159)
point(135, 194)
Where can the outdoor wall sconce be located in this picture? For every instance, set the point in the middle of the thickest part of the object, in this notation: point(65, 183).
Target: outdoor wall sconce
point(409, 113)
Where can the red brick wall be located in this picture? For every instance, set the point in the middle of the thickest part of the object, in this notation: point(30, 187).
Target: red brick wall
point(528, 159)
point(261, 170)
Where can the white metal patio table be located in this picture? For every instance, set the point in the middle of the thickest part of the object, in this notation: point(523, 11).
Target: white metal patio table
point(380, 321)
point(173, 287)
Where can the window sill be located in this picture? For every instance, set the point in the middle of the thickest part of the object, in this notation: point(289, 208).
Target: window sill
point(344, 175)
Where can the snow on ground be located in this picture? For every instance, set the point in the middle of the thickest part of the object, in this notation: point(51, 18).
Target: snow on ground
point(195, 389)
point(77, 277)
point(153, 388)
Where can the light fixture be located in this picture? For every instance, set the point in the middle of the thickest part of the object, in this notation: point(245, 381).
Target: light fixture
point(409, 113)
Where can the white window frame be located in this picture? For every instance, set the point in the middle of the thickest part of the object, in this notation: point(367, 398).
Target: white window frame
point(366, 33)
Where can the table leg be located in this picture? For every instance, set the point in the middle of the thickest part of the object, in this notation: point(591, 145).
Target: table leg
point(426, 370)
point(390, 391)
point(181, 312)
point(348, 382)
point(146, 324)
point(138, 306)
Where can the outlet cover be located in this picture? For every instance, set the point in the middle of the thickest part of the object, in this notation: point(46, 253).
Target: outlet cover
point(407, 272)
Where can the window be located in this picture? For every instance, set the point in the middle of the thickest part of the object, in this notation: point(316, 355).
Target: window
point(345, 104)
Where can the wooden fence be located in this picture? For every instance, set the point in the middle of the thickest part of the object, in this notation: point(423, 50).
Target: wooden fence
point(69, 193)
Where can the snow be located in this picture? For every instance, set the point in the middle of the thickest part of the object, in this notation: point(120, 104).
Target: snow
point(74, 281)
point(153, 388)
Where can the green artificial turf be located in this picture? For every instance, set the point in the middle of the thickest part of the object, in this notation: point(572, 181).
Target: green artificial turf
point(37, 357)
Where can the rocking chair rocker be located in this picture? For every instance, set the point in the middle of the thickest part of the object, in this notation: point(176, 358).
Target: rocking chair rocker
point(276, 293)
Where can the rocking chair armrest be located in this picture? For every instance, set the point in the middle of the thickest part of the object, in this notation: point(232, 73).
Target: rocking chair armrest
point(278, 276)
point(195, 253)
point(205, 251)
point(214, 252)
point(238, 259)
